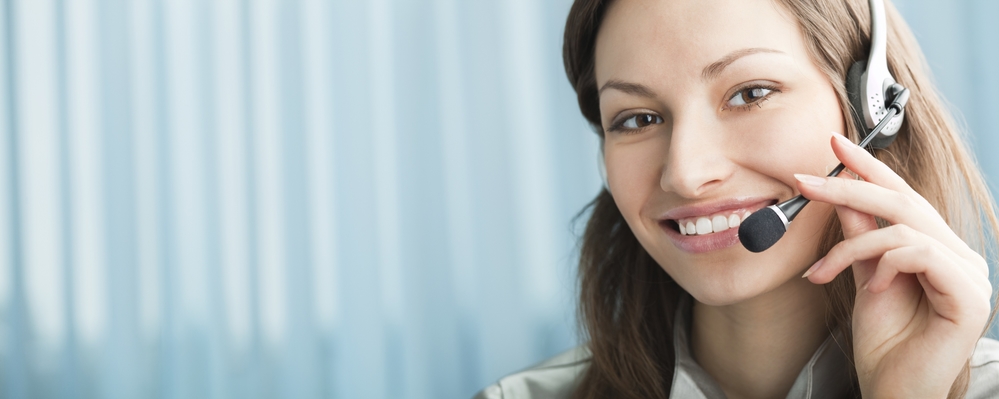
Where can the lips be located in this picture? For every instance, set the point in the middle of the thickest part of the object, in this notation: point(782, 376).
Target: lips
point(706, 239)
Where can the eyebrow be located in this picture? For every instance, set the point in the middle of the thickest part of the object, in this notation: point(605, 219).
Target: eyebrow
point(628, 88)
point(710, 72)
point(713, 70)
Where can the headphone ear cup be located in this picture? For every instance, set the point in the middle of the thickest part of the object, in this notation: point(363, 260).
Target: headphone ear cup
point(854, 78)
point(853, 90)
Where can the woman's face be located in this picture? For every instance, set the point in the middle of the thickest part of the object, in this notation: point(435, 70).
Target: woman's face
point(709, 107)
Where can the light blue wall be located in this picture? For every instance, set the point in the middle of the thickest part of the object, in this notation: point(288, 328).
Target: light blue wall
point(307, 198)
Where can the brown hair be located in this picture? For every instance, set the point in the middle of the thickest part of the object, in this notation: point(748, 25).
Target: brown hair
point(627, 301)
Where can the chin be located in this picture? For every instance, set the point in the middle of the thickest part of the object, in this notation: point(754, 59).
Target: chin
point(712, 296)
point(730, 287)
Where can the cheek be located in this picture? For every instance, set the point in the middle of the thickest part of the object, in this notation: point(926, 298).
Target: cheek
point(633, 173)
point(796, 143)
point(813, 153)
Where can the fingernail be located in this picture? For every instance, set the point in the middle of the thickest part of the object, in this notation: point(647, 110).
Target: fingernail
point(842, 139)
point(814, 267)
point(810, 180)
point(867, 284)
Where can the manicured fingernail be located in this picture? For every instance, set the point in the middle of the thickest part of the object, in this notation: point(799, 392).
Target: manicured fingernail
point(810, 180)
point(842, 139)
point(814, 267)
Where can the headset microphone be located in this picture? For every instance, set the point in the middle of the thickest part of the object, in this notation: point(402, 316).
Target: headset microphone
point(762, 229)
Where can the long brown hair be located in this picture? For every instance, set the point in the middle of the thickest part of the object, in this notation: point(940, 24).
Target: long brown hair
point(627, 301)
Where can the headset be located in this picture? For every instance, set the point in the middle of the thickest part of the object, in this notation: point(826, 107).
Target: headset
point(877, 102)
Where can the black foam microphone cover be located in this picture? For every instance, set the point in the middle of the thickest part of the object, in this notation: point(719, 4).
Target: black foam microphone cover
point(765, 227)
point(761, 230)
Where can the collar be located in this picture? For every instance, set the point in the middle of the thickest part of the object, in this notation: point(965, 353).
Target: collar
point(825, 376)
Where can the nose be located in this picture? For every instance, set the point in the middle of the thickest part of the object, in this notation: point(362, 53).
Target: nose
point(697, 160)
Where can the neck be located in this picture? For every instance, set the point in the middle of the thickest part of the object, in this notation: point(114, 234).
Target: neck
point(756, 348)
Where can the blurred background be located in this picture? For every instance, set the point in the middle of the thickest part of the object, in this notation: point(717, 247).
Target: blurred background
point(312, 199)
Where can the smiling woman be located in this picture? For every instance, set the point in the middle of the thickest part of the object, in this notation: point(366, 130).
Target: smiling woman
point(711, 110)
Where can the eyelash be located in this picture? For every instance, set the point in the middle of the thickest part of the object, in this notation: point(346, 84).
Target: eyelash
point(758, 103)
point(618, 125)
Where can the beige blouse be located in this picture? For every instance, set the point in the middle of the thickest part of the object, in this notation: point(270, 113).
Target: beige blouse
point(826, 375)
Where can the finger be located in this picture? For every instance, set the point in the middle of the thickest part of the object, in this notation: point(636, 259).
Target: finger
point(854, 222)
point(948, 292)
point(872, 199)
point(867, 166)
point(870, 245)
point(863, 196)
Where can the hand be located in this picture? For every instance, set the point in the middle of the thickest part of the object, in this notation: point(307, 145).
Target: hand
point(923, 300)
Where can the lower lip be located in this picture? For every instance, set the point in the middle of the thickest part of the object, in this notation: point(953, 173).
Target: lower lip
point(702, 243)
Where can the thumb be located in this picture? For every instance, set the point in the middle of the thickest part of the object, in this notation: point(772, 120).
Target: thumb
point(855, 223)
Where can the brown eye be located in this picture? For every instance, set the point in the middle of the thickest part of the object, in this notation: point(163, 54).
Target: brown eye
point(748, 96)
point(641, 120)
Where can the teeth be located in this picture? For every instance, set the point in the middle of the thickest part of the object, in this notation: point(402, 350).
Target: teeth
point(711, 224)
point(703, 226)
point(719, 223)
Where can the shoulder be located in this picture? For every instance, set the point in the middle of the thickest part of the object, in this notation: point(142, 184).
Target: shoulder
point(553, 378)
point(984, 370)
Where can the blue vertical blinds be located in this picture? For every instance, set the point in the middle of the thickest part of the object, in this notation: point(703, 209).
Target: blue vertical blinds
point(308, 198)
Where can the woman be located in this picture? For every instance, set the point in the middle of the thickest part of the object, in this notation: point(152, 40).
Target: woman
point(710, 110)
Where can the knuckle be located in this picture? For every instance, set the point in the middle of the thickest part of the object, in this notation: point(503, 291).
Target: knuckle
point(903, 199)
point(837, 184)
point(888, 258)
point(838, 251)
point(930, 251)
point(983, 307)
point(902, 233)
point(981, 265)
point(855, 224)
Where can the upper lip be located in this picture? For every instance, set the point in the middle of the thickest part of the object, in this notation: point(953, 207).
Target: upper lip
point(706, 209)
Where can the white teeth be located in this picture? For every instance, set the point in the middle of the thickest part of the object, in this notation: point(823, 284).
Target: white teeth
point(703, 226)
point(719, 223)
point(711, 224)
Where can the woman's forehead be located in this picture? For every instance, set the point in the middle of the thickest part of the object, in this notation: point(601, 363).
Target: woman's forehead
point(650, 39)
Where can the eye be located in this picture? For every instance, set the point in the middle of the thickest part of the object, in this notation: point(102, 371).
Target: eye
point(641, 120)
point(749, 96)
point(636, 121)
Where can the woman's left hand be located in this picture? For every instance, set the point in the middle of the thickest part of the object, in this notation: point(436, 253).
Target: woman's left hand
point(923, 300)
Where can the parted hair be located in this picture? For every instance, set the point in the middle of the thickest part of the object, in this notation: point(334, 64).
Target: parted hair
point(627, 301)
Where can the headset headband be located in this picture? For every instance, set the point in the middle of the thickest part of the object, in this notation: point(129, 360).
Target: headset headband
point(876, 80)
